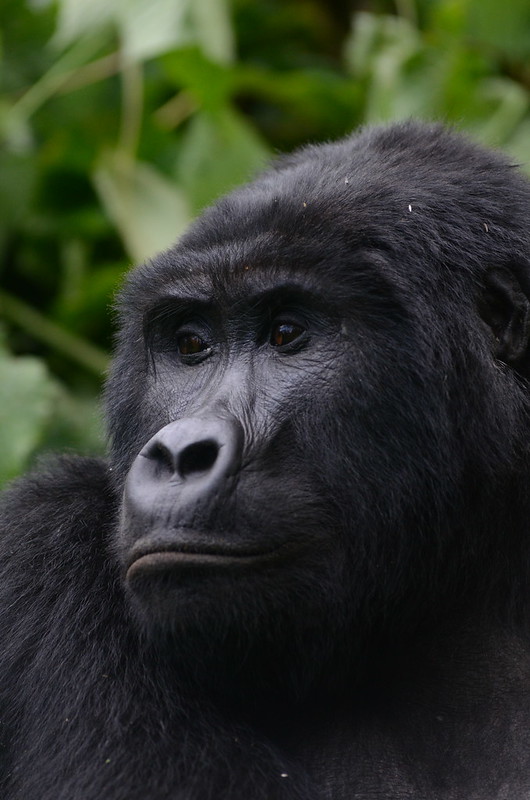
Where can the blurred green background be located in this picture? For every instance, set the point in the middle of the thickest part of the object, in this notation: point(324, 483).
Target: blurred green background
point(121, 119)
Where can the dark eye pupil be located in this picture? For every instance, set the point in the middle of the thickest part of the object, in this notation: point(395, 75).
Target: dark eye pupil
point(285, 333)
point(190, 343)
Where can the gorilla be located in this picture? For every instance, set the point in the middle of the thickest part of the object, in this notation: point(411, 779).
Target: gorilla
point(303, 571)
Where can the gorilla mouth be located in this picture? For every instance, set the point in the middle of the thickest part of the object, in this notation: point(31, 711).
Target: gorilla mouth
point(144, 561)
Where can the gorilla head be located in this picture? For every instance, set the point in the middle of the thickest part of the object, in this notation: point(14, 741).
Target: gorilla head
point(318, 408)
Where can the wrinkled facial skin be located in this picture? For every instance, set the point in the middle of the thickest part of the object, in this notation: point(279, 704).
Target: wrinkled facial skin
point(225, 499)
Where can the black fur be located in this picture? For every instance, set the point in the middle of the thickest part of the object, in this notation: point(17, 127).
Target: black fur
point(339, 609)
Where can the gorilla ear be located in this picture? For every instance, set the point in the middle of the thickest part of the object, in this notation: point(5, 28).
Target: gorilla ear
point(505, 308)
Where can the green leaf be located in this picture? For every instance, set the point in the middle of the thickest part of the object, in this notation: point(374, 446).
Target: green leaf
point(519, 146)
point(209, 83)
point(510, 104)
point(148, 28)
point(15, 131)
point(219, 151)
point(213, 29)
point(16, 189)
point(76, 424)
point(77, 18)
point(27, 396)
point(386, 51)
point(506, 28)
point(149, 210)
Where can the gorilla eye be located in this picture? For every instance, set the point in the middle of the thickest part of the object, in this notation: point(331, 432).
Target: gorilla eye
point(284, 333)
point(188, 344)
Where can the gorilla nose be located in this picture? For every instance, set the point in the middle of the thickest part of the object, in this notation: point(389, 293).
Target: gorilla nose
point(192, 449)
point(189, 449)
point(179, 471)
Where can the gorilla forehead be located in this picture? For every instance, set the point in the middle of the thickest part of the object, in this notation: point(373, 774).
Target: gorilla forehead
point(403, 204)
point(239, 270)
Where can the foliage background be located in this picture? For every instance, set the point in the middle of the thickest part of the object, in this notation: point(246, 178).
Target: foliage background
point(121, 119)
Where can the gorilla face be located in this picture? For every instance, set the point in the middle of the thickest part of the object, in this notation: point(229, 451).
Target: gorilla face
point(265, 494)
point(286, 405)
point(225, 504)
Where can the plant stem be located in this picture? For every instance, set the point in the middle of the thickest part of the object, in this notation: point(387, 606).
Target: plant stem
point(132, 107)
point(42, 329)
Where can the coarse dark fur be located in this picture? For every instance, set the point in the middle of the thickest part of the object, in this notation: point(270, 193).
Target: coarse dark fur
point(339, 609)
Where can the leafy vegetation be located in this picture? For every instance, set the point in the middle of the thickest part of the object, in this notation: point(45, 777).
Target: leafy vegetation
point(121, 119)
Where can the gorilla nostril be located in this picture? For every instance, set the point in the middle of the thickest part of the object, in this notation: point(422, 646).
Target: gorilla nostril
point(162, 455)
point(198, 457)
